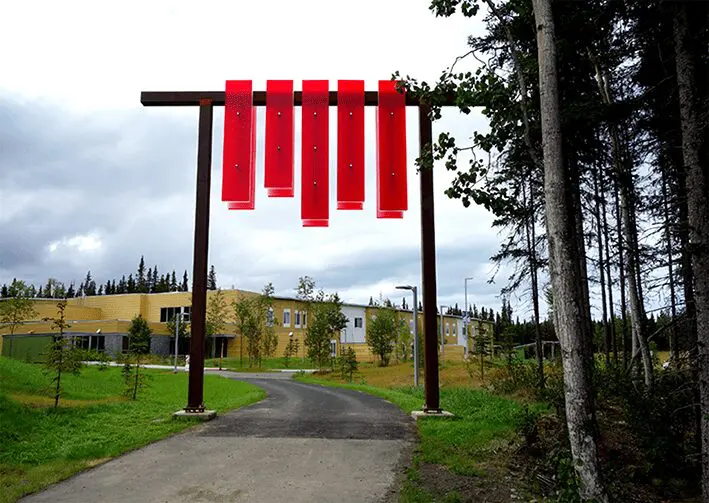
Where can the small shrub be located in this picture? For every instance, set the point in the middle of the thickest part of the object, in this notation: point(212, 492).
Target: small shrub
point(92, 355)
point(348, 364)
point(139, 348)
point(290, 351)
point(63, 355)
point(516, 375)
point(648, 444)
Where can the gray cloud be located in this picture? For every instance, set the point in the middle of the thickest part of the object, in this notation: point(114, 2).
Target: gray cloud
point(127, 178)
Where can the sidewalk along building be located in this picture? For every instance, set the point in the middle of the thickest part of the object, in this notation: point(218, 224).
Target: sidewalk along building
point(102, 323)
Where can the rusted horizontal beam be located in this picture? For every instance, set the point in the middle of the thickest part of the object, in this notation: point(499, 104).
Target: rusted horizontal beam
point(191, 98)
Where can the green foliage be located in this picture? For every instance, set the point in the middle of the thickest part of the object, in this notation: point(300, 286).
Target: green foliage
point(382, 332)
point(256, 323)
point(646, 441)
point(305, 290)
point(139, 333)
point(212, 279)
point(348, 363)
point(183, 329)
point(40, 445)
point(246, 315)
point(16, 309)
point(93, 355)
point(326, 320)
point(404, 338)
point(482, 345)
point(664, 424)
point(290, 350)
point(63, 356)
point(217, 316)
point(135, 380)
point(269, 338)
point(514, 375)
point(134, 376)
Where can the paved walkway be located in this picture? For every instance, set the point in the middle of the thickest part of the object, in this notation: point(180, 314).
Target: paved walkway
point(303, 443)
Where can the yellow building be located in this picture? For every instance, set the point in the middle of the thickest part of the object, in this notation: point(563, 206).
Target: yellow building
point(101, 322)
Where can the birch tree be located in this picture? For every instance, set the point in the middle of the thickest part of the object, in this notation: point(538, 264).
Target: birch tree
point(565, 271)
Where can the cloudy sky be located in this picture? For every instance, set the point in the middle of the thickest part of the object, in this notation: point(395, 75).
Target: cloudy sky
point(89, 179)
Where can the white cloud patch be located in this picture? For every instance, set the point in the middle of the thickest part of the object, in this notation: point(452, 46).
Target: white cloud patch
point(81, 244)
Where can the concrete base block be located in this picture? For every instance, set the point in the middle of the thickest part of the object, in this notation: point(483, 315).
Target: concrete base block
point(418, 414)
point(202, 416)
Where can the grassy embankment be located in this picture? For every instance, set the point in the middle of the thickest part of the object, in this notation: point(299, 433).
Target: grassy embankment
point(40, 445)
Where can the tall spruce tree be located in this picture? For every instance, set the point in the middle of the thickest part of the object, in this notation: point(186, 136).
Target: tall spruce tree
point(212, 279)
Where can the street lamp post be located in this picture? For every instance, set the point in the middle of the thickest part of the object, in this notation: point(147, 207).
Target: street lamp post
point(466, 294)
point(177, 338)
point(443, 337)
point(414, 310)
point(465, 317)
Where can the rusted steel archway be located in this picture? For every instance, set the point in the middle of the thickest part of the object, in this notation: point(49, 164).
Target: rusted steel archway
point(238, 190)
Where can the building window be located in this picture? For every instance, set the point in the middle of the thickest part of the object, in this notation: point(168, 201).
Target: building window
point(333, 348)
point(286, 317)
point(96, 342)
point(297, 319)
point(448, 329)
point(125, 347)
point(305, 319)
point(169, 313)
point(358, 323)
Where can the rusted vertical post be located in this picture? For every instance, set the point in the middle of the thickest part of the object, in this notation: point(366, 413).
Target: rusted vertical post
point(428, 263)
point(195, 394)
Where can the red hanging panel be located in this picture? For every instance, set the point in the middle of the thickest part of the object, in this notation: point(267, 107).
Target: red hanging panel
point(249, 205)
point(391, 152)
point(239, 168)
point(350, 144)
point(280, 124)
point(315, 176)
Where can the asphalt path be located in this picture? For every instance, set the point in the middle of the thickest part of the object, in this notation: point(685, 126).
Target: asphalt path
point(302, 443)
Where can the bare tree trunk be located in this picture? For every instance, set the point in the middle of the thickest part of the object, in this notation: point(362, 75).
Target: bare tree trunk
point(637, 310)
point(621, 278)
point(565, 270)
point(575, 187)
point(674, 353)
point(606, 234)
point(58, 389)
point(696, 169)
point(532, 254)
point(601, 269)
point(626, 196)
point(690, 310)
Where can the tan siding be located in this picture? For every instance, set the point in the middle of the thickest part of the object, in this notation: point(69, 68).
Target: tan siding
point(113, 307)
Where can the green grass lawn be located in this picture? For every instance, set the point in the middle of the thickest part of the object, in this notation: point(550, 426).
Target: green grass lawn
point(470, 444)
point(40, 445)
